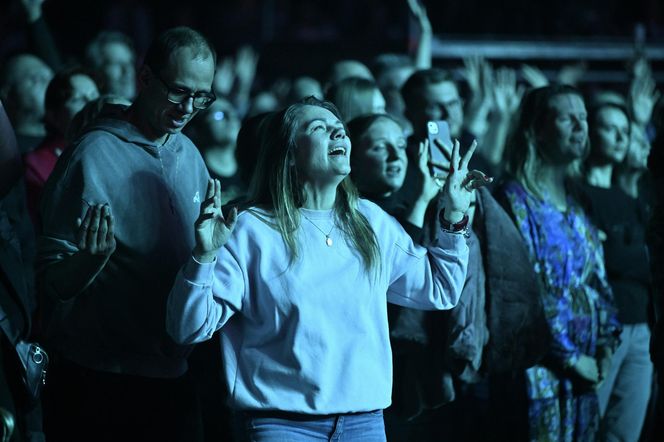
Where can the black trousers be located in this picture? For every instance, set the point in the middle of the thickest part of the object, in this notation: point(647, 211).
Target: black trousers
point(88, 405)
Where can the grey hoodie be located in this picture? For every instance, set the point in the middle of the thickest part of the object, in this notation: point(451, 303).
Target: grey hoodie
point(118, 323)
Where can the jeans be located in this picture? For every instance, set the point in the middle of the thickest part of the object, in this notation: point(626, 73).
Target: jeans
point(278, 426)
point(623, 397)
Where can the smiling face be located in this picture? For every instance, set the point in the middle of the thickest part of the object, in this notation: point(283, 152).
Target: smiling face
point(322, 149)
point(611, 135)
point(185, 71)
point(564, 135)
point(379, 161)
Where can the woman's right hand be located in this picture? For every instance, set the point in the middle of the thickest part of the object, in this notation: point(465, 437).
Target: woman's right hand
point(212, 230)
point(586, 368)
point(430, 185)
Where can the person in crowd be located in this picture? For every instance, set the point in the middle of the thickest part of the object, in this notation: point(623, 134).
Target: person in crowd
point(18, 302)
point(215, 132)
point(304, 87)
point(67, 93)
point(116, 214)
point(110, 55)
point(93, 110)
point(305, 256)
point(550, 136)
point(356, 96)
point(622, 219)
point(441, 357)
point(23, 82)
point(343, 69)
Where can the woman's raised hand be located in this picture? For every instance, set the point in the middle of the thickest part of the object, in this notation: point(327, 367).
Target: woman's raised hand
point(460, 184)
point(212, 230)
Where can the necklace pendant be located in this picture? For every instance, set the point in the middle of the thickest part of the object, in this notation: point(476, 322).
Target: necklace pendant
point(328, 241)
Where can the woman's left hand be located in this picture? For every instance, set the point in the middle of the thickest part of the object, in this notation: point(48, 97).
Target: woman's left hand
point(460, 184)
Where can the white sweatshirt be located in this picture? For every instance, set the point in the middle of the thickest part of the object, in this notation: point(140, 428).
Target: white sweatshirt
point(313, 337)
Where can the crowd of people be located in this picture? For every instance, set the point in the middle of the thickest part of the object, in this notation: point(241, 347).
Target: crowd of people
point(394, 252)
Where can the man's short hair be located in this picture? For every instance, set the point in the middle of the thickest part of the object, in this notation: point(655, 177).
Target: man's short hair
point(93, 52)
point(168, 42)
point(412, 89)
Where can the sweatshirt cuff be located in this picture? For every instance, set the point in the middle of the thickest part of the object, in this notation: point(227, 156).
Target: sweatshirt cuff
point(199, 273)
point(447, 240)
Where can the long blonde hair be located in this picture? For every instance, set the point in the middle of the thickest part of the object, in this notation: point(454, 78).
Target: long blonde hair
point(523, 154)
point(276, 187)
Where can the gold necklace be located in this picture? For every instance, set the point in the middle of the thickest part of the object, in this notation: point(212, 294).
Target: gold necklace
point(328, 240)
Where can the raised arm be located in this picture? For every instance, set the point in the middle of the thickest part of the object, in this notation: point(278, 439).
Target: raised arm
point(193, 312)
point(423, 47)
point(433, 278)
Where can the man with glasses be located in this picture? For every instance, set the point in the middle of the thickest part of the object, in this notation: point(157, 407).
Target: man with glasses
point(117, 216)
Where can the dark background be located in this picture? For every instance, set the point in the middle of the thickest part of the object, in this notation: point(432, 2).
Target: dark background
point(304, 36)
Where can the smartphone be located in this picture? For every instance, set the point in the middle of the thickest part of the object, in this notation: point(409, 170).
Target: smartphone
point(439, 130)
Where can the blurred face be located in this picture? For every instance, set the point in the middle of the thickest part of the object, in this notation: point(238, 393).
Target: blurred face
point(183, 72)
point(377, 102)
point(611, 134)
point(564, 137)
point(639, 149)
point(322, 150)
point(29, 80)
point(223, 122)
point(349, 68)
point(118, 71)
point(379, 162)
point(439, 101)
point(84, 90)
point(305, 87)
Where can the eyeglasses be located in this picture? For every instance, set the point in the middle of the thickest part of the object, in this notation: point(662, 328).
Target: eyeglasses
point(176, 95)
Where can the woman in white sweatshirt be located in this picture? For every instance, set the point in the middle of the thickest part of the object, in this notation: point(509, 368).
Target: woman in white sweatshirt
point(300, 281)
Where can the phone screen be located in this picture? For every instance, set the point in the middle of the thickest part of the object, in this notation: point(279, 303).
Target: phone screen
point(439, 155)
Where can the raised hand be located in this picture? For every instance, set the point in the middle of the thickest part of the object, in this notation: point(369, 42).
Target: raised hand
point(572, 73)
point(643, 97)
point(506, 94)
point(32, 9)
point(534, 76)
point(95, 231)
point(246, 61)
point(420, 13)
point(224, 78)
point(460, 184)
point(212, 230)
point(479, 76)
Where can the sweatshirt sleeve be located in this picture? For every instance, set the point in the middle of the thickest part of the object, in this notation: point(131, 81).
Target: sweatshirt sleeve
point(429, 278)
point(204, 297)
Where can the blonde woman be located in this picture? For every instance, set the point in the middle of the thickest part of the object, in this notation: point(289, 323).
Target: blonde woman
point(301, 279)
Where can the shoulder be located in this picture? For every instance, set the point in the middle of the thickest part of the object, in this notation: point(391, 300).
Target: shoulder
point(384, 225)
point(370, 209)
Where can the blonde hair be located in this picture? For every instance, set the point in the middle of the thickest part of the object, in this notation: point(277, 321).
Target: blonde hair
point(276, 187)
point(523, 154)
